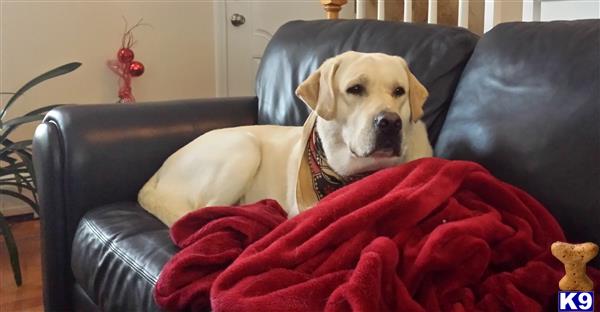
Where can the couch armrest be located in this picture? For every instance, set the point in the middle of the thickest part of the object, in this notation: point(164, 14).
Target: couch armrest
point(90, 155)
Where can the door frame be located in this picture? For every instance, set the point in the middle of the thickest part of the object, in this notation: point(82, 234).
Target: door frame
point(220, 40)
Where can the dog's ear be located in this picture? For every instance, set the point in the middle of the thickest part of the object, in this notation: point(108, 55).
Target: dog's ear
point(318, 90)
point(417, 94)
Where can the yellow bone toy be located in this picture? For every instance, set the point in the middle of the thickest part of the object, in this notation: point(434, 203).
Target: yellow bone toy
point(575, 257)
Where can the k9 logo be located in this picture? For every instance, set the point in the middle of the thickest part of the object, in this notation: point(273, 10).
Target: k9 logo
point(576, 301)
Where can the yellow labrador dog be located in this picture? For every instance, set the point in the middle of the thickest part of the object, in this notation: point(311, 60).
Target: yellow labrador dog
point(366, 111)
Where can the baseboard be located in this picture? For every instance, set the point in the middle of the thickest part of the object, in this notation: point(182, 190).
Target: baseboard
point(21, 218)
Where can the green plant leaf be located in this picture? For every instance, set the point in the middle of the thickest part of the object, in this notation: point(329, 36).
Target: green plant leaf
point(19, 182)
point(15, 146)
point(26, 158)
point(8, 183)
point(6, 142)
point(17, 185)
point(22, 179)
point(21, 120)
point(10, 179)
point(23, 173)
point(13, 166)
point(17, 170)
point(13, 252)
point(21, 197)
point(61, 70)
point(43, 110)
point(7, 158)
point(6, 133)
point(21, 185)
point(6, 171)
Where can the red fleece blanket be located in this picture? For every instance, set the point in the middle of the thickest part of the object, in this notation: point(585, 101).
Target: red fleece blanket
point(431, 235)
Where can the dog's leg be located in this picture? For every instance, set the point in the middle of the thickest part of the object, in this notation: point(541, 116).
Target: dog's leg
point(215, 169)
point(236, 162)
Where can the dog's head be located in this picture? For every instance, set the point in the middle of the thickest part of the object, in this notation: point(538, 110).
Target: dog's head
point(366, 104)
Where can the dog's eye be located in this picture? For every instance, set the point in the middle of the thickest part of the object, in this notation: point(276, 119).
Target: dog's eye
point(399, 92)
point(356, 89)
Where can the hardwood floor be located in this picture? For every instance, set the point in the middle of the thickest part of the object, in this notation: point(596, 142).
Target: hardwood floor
point(28, 297)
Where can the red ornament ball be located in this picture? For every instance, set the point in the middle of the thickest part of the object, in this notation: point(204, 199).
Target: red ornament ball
point(125, 55)
point(136, 68)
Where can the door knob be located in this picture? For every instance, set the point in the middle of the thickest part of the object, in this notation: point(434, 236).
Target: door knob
point(237, 20)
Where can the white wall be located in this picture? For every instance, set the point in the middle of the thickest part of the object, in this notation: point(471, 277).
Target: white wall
point(501, 11)
point(35, 36)
point(569, 9)
point(178, 50)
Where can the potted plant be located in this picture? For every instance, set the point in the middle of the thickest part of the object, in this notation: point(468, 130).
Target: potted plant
point(16, 166)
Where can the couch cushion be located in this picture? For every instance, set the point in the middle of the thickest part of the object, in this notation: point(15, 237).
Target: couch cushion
point(436, 54)
point(528, 108)
point(118, 253)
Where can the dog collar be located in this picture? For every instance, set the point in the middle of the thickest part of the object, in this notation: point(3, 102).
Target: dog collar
point(324, 179)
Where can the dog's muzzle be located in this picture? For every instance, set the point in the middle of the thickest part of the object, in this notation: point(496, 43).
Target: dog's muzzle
point(387, 134)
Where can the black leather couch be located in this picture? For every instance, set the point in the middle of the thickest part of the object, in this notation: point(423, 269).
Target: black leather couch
point(523, 100)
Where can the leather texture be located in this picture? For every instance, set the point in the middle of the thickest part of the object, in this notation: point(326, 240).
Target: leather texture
point(92, 155)
point(436, 55)
point(82, 302)
point(118, 253)
point(528, 109)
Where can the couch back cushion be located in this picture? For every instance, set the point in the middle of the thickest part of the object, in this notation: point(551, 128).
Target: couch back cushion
point(435, 54)
point(528, 109)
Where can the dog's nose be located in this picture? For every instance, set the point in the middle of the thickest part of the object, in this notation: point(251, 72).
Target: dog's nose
point(388, 122)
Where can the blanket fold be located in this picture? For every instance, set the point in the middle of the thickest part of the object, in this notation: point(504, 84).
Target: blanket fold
point(430, 235)
point(211, 239)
